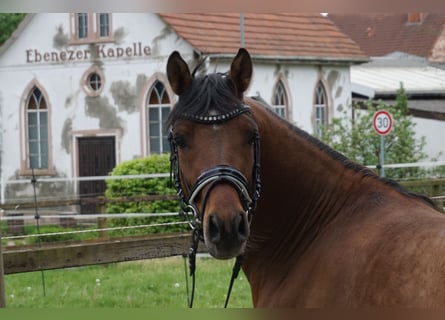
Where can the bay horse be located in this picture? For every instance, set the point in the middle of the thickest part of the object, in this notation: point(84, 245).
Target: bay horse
point(314, 228)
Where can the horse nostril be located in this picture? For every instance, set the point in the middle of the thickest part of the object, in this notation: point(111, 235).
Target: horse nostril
point(236, 230)
point(214, 228)
point(243, 227)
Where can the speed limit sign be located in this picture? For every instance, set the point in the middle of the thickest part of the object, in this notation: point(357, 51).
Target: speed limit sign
point(382, 122)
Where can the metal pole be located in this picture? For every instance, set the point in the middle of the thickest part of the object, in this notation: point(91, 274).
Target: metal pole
point(382, 155)
point(2, 275)
point(241, 22)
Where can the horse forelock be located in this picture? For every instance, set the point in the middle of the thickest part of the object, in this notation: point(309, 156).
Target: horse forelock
point(208, 95)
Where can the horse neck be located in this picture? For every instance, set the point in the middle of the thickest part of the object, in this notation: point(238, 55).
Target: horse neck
point(303, 188)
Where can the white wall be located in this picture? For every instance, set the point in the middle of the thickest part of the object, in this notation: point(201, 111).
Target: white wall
point(301, 81)
point(434, 133)
point(134, 75)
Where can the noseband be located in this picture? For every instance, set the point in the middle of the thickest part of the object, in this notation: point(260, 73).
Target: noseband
point(217, 174)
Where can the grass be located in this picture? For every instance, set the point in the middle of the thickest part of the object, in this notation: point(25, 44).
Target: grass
point(141, 284)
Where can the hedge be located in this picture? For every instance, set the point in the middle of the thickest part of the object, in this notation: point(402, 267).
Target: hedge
point(139, 187)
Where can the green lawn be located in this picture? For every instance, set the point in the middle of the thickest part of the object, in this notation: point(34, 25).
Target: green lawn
point(139, 284)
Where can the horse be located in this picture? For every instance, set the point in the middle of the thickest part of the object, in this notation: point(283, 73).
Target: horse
point(314, 228)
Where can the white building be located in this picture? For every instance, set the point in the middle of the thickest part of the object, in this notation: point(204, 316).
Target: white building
point(82, 92)
point(424, 86)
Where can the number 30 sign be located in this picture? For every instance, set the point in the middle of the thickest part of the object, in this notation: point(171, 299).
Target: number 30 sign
point(382, 122)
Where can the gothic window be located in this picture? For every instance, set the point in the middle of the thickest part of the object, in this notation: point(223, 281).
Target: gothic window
point(320, 109)
point(37, 130)
point(279, 100)
point(158, 108)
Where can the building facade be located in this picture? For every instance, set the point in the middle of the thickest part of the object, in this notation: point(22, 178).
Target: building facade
point(82, 92)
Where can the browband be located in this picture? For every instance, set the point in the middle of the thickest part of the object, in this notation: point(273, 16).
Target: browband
point(211, 119)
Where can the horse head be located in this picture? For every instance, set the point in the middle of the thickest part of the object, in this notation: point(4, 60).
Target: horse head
point(215, 145)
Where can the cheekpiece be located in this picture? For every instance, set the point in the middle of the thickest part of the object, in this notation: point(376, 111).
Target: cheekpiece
point(212, 119)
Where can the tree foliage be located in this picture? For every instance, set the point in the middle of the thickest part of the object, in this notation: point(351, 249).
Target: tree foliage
point(8, 23)
point(356, 138)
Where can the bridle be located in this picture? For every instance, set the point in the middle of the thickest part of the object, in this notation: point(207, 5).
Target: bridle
point(217, 174)
point(249, 195)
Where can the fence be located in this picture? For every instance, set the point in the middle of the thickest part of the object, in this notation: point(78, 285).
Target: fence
point(434, 188)
point(105, 249)
point(102, 249)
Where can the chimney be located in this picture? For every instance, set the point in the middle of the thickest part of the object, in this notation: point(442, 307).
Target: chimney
point(415, 18)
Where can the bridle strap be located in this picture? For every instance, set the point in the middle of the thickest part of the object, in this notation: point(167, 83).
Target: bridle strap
point(210, 178)
point(235, 272)
point(218, 174)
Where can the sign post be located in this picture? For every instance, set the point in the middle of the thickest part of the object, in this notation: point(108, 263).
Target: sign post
point(382, 124)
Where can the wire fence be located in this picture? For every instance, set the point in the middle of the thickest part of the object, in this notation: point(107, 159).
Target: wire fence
point(437, 194)
point(165, 224)
point(17, 212)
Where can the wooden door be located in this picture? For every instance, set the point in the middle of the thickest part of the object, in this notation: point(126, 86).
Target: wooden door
point(97, 157)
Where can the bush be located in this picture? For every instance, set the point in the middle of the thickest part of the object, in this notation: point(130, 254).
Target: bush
point(141, 187)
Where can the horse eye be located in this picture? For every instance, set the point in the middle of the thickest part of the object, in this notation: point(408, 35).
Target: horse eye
point(251, 137)
point(180, 141)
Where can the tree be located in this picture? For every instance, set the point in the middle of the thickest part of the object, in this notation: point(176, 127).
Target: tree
point(8, 23)
point(356, 138)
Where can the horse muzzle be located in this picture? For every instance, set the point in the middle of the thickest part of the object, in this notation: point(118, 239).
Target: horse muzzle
point(225, 205)
point(225, 235)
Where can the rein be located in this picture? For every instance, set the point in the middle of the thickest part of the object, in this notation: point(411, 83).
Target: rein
point(211, 177)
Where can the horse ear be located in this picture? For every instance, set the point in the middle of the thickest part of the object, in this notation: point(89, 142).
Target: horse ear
point(178, 73)
point(241, 71)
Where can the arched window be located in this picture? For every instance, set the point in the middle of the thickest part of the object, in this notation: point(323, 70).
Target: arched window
point(37, 130)
point(158, 105)
point(279, 100)
point(320, 109)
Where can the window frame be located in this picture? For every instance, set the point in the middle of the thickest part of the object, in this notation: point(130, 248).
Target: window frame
point(164, 102)
point(94, 28)
point(85, 81)
point(100, 25)
point(25, 132)
point(322, 106)
point(280, 109)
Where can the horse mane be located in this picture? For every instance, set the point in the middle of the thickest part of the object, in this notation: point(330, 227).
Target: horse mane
point(211, 94)
point(214, 94)
point(348, 163)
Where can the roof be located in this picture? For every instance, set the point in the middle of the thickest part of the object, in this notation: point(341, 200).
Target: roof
point(385, 80)
point(281, 36)
point(381, 34)
point(381, 79)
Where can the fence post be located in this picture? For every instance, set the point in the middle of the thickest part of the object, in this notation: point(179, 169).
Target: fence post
point(437, 191)
point(2, 274)
point(102, 222)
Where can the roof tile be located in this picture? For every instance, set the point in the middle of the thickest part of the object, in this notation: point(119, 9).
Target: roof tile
point(381, 34)
point(287, 35)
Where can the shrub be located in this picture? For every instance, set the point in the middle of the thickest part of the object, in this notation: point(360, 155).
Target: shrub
point(141, 187)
